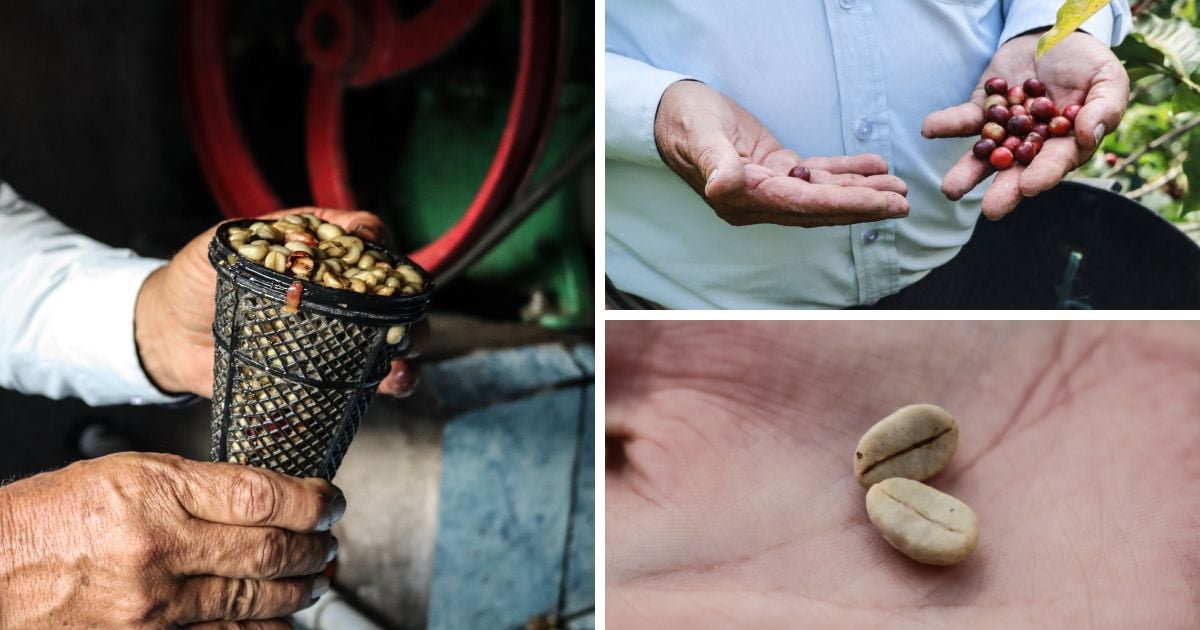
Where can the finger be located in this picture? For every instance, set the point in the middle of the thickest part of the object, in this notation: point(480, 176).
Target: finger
point(245, 495)
point(876, 182)
point(1058, 157)
point(212, 598)
point(812, 205)
point(953, 122)
point(1103, 108)
point(722, 167)
point(1003, 195)
point(255, 624)
point(964, 176)
point(262, 553)
point(862, 164)
point(403, 379)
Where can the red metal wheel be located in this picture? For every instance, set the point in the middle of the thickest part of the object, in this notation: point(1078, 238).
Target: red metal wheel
point(354, 43)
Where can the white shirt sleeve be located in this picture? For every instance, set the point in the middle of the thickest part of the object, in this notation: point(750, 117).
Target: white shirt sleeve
point(632, 90)
point(1110, 24)
point(66, 311)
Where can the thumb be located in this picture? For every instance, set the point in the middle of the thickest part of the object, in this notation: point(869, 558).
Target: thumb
point(722, 166)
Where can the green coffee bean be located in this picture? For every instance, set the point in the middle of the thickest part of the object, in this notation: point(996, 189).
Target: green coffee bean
point(329, 231)
point(275, 261)
point(395, 334)
point(253, 252)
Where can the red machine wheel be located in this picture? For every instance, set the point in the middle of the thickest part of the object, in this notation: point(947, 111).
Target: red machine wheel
point(352, 44)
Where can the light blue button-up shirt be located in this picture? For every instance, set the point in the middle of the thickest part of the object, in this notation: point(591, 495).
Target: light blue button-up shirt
point(832, 77)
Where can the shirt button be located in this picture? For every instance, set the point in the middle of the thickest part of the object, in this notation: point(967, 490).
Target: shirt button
point(864, 129)
point(846, 4)
point(870, 236)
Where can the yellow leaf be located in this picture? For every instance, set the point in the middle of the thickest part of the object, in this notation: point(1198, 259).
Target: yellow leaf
point(1070, 17)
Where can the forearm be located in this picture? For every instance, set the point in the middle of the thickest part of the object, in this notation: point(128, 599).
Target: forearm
point(66, 326)
point(633, 90)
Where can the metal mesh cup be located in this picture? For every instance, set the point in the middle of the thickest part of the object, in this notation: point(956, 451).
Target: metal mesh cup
point(289, 389)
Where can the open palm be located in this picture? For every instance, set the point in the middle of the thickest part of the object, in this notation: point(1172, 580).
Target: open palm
point(1080, 70)
point(731, 498)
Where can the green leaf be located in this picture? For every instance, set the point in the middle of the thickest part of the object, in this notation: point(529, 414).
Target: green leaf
point(1171, 43)
point(1191, 169)
point(1185, 99)
point(1070, 17)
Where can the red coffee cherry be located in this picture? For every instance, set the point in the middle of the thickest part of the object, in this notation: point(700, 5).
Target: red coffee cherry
point(1016, 95)
point(1001, 158)
point(1111, 159)
point(1025, 153)
point(995, 85)
point(983, 148)
point(1020, 125)
point(1070, 112)
point(1043, 109)
point(999, 115)
point(1036, 139)
point(1059, 126)
point(993, 132)
point(1035, 88)
point(800, 172)
point(1019, 110)
point(994, 100)
point(1011, 143)
point(1041, 129)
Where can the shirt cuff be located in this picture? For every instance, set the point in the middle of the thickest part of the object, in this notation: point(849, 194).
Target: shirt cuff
point(1026, 16)
point(632, 90)
point(96, 332)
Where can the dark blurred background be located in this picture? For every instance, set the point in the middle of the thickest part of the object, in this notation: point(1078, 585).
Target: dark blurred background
point(93, 128)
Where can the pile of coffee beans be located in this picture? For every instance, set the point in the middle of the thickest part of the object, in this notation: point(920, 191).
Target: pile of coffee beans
point(1018, 120)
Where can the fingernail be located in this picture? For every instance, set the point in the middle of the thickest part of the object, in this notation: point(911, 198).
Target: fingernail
point(333, 513)
point(320, 586)
point(1099, 133)
point(333, 549)
point(712, 176)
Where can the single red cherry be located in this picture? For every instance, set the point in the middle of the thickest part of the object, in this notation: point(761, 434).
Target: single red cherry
point(1016, 95)
point(994, 100)
point(1011, 143)
point(1019, 110)
point(1020, 125)
point(1043, 109)
point(983, 148)
point(995, 85)
point(1036, 139)
point(1041, 129)
point(1059, 126)
point(999, 115)
point(1025, 153)
point(1001, 158)
point(801, 172)
point(1110, 159)
point(993, 132)
point(1070, 112)
point(1035, 88)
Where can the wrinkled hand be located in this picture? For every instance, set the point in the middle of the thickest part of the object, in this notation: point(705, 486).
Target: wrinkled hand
point(157, 541)
point(740, 169)
point(174, 314)
point(1079, 70)
point(732, 501)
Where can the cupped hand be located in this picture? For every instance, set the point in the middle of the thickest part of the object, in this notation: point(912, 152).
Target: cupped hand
point(157, 541)
point(1079, 70)
point(741, 170)
point(732, 501)
point(175, 308)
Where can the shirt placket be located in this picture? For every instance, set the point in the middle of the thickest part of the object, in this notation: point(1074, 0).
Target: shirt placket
point(862, 93)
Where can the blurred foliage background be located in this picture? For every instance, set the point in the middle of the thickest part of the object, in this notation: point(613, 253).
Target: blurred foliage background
point(1155, 153)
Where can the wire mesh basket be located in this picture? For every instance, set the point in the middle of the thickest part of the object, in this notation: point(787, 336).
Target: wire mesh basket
point(290, 388)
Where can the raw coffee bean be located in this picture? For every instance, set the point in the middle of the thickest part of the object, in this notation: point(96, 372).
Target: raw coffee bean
point(1035, 88)
point(993, 132)
point(995, 85)
point(1019, 125)
point(801, 172)
point(328, 231)
point(1011, 143)
point(1059, 126)
point(253, 252)
point(1025, 153)
point(998, 114)
point(1015, 95)
point(914, 442)
point(994, 100)
point(983, 148)
point(1043, 109)
point(395, 334)
point(1070, 112)
point(924, 524)
point(1001, 158)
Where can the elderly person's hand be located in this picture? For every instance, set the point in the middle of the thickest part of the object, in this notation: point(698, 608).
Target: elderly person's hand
point(1080, 70)
point(174, 313)
point(727, 156)
point(156, 541)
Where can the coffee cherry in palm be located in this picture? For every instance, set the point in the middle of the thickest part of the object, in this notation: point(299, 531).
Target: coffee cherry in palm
point(993, 132)
point(1035, 88)
point(994, 100)
point(998, 114)
point(1001, 158)
point(1043, 109)
point(1011, 143)
point(1025, 153)
point(1070, 111)
point(1059, 126)
point(995, 85)
point(1016, 95)
point(801, 172)
point(1020, 125)
point(983, 149)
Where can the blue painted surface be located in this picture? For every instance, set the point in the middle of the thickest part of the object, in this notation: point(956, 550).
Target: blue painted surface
point(506, 491)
